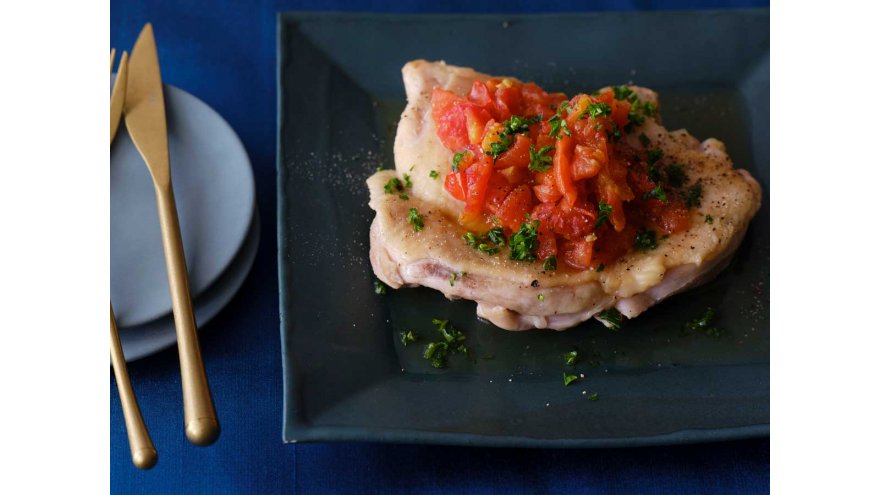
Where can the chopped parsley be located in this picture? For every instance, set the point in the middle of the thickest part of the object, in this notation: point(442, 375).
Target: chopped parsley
point(452, 278)
point(694, 195)
point(490, 243)
point(656, 193)
point(456, 160)
point(604, 211)
point(654, 156)
point(614, 134)
point(558, 123)
point(597, 110)
point(646, 239)
point(407, 337)
point(524, 242)
point(644, 140)
point(612, 318)
point(379, 287)
point(416, 220)
point(703, 324)
point(593, 397)
point(571, 357)
point(709, 219)
point(568, 378)
point(550, 264)
point(675, 175)
point(407, 181)
point(600, 267)
point(514, 125)
point(392, 185)
point(541, 297)
point(403, 196)
point(496, 235)
point(450, 343)
point(538, 159)
point(624, 93)
point(433, 174)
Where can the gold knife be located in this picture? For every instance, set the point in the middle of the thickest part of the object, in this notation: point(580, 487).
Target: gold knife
point(145, 121)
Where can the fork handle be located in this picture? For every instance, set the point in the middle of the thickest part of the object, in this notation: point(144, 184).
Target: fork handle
point(143, 453)
point(200, 418)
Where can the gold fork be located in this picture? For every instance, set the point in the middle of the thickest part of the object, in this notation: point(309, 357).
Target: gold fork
point(143, 453)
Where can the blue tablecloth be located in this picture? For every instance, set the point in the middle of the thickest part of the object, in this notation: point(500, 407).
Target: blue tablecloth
point(224, 53)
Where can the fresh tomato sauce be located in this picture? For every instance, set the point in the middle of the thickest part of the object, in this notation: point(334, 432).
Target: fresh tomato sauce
point(523, 155)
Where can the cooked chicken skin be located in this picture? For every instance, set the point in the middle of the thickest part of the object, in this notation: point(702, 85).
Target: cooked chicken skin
point(505, 291)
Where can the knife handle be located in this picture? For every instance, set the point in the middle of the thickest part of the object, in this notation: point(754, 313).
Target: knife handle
point(200, 418)
point(143, 453)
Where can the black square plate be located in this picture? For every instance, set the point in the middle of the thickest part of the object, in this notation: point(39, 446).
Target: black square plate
point(346, 374)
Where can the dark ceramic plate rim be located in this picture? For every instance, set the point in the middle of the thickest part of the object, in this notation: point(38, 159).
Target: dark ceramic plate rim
point(304, 432)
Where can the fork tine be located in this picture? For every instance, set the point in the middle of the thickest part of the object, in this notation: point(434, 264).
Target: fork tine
point(117, 95)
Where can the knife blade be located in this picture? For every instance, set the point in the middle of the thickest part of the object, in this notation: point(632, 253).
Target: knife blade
point(145, 121)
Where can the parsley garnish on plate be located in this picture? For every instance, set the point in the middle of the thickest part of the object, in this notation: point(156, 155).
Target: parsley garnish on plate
point(416, 220)
point(456, 160)
point(452, 278)
point(571, 357)
point(434, 174)
point(709, 219)
point(594, 396)
point(704, 324)
point(612, 318)
point(379, 287)
point(550, 264)
point(604, 212)
point(524, 242)
point(541, 297)
point(568, 378)
point(451, 343)
point(644, 140)
point(600, 267)
point(646, 239)
point(407, 181)
point(407, 337)
point(403, 196)
point(538, 159)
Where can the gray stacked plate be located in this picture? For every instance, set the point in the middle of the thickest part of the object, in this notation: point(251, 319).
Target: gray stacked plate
point(214, 189)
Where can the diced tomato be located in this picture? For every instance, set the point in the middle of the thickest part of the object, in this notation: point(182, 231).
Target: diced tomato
point(508, 101)
point(456, 185)
point(586, 163)
point(476, 120)
point(517, 155)
point(547, 193)
point(480, 94)
point(575, 222)
point(497, 191)
point(562, 170)
point(456, 119)
point(609, 192)
point(668, 216)
point(513, 210)
point(546, 243)
point(612, 244)
point(576, 253)
point(478, 176)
